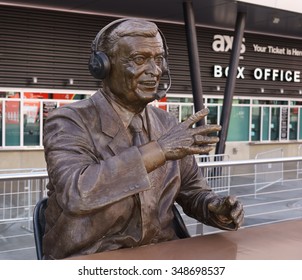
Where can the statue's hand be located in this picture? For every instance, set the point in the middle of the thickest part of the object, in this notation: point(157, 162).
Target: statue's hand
point(228, 210)
point(183, 140)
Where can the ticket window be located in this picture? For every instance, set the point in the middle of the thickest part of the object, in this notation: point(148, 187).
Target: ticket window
point(212, 117)
point(12, 123)
point(239, 124)
point(186, 111)
point(293, 124)
point(31, 123)
point(1, 120)
point(265, 123)
point(275, 123)
point(256, 123)
point(300, 121)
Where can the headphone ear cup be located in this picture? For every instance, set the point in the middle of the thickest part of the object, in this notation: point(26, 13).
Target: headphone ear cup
point(99, 65)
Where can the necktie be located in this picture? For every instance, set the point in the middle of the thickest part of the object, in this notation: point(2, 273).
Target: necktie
point(136, 128)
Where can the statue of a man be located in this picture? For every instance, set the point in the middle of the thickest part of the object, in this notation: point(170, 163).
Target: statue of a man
point(116, 166)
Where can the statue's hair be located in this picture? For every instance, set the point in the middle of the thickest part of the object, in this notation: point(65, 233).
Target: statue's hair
point(130, 27)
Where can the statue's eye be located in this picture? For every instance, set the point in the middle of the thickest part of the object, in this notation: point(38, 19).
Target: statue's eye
point(139, 59)
point(159, 60)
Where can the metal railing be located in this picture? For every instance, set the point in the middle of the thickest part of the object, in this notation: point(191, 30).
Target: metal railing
point(280, 201)
point(20, 189)
point(218, 177)
point(268, 173)
point(299, 163)
point(19, 192)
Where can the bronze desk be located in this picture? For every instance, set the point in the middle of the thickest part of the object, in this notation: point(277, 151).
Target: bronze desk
point(279, 241)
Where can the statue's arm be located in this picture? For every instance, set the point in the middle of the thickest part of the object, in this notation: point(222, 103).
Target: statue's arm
point(200, 202)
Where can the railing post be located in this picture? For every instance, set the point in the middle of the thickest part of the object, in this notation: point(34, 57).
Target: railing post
point(41, 193)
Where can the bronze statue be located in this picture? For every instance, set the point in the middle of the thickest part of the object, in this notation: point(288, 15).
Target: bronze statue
point(112, 185)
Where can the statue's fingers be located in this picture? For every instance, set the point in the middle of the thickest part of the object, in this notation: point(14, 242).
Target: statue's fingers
point(231, 200)
point(200, 139)
point(206, 129)
point(238, 221)
point(237, 210)
point(196, 117)
point(214, 205)
point(200, 150)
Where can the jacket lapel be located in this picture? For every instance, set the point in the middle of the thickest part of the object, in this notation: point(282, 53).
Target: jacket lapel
point(117, 138)
point(113, 134)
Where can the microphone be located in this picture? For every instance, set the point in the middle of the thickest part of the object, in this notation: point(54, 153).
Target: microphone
point(162, 93)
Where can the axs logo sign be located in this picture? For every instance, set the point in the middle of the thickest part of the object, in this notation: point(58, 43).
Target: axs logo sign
point(224, 43)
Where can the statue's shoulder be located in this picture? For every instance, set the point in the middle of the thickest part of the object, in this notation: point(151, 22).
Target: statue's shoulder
point(73, 110)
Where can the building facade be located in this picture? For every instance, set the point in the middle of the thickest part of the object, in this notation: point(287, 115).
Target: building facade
point(44, 64)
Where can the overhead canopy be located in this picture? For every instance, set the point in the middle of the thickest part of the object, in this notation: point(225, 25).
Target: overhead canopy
point(269, 16)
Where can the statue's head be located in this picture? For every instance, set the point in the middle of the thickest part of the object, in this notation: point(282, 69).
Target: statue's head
point(130, 56)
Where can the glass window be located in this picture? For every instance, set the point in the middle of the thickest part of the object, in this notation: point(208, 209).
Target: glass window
point(12, 123)
point(186, 111)
point(239, 124)
point(265, 123)
point(1, 123)
point(280, 102)
point(213, 115)
point(275, 118)
point(180, 99)
point(274, 102)
point(215, 101)
point(300, 121)
point(212, 118)
point(26, 109)
point(293, 123)
point(241, 101)
point(256, 123)
point(284, 123)
point(66, 96)
point(60, 96)
point(174, 109)
point(31, 121)
point(36, 95)
point(9, 94)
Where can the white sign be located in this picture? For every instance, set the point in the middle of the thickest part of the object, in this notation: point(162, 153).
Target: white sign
point(277, 50)
point(224, 43)
point(261, 74)
point(219, 72)
point(277, 75)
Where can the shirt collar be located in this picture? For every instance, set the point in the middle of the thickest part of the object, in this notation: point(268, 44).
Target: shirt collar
point(125, 115)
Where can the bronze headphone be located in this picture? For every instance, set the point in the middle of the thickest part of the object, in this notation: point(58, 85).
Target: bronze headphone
point(99, 63)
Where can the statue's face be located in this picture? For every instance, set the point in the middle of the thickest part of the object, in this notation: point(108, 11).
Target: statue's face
point(136, 69)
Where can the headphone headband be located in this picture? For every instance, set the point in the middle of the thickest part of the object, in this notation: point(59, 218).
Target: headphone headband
point(96, 40)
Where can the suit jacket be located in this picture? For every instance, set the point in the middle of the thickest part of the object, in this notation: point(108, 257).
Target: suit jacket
point(100, 195)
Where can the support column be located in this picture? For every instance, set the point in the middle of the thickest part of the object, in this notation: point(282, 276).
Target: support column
point(231, 82)
point(191, 36)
